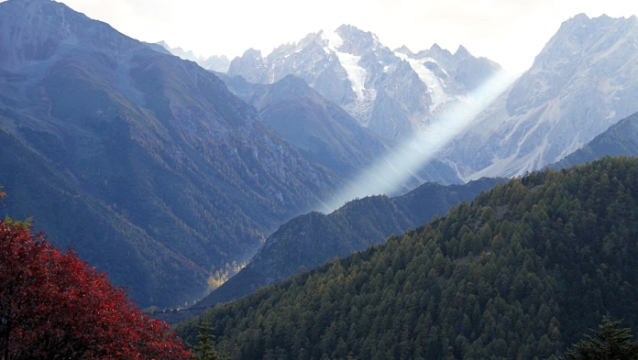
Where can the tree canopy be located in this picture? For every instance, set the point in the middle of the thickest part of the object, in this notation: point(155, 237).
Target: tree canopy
point(55, 306)
point(521, 272)
point(610, 342)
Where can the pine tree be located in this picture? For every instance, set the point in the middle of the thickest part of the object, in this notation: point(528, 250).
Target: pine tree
point(205, 349)
point(610, 342)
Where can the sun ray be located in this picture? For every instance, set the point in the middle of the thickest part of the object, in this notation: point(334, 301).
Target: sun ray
point(384, 176)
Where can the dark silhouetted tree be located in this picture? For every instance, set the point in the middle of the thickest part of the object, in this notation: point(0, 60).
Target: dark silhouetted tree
point(205, 349)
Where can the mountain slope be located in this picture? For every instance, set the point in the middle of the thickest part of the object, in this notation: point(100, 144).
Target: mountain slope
point(156, 150)
point(320, 129)
point(391, 93)
point(620, 139)
point(581, 83)
point(307, 241)
point(325, 133)
point(521, 272)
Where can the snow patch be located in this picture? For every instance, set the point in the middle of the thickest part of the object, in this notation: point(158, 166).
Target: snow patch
point(333, 39)
point(401, 56)
point(356, 74)
point(433, 83)
point(350, 63)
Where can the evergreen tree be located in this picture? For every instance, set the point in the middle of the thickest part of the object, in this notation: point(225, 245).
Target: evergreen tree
point(205, 349)
point(558, 255)
point(610, 342)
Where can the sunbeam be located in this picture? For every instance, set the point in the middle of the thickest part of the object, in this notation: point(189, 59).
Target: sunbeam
point(386, 175)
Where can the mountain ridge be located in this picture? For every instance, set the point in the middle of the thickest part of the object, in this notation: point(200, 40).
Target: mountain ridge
point(579, 85)
point(387, 92)
point(619, 139)
point(157, 148)
point(309, 240)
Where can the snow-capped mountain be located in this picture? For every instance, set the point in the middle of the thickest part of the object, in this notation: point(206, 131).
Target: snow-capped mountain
point(448, 75)
point(393, 93)
point(583, 81)
point(212, 63)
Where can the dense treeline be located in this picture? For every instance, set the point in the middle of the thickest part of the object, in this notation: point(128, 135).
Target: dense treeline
point(310, 240)
point(521, 272)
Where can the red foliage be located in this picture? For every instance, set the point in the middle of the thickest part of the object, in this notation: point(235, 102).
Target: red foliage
point(53, 305)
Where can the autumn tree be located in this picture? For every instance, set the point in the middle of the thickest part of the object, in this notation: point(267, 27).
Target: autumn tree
point(55, 306)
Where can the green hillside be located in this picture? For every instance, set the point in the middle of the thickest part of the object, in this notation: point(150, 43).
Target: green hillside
point(521, 272)
point(309, 240)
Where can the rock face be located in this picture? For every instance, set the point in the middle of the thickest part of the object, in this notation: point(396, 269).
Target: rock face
point(143, 162)
point(582, 82)
point(320, 129)
point(619, 140)
point(392, 93)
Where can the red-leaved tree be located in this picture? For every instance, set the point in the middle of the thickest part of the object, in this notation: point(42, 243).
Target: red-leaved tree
point(55, 306)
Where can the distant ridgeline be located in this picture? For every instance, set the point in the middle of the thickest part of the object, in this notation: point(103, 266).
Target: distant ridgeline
point(522, 271)
point(619, 139)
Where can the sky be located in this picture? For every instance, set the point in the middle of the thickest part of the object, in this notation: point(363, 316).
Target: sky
point(510, 32)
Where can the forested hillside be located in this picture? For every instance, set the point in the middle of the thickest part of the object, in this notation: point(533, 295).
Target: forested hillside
point(521, 272)
point(309, 240)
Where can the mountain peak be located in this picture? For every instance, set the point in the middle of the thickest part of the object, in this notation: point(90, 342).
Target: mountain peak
point(580, 17)
point(404, 50)
point(353, 69)
point(295, 86)
point(462, 52)
point(347, 28)
point(353, 35)
point(253, 53)
point(575, 69)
